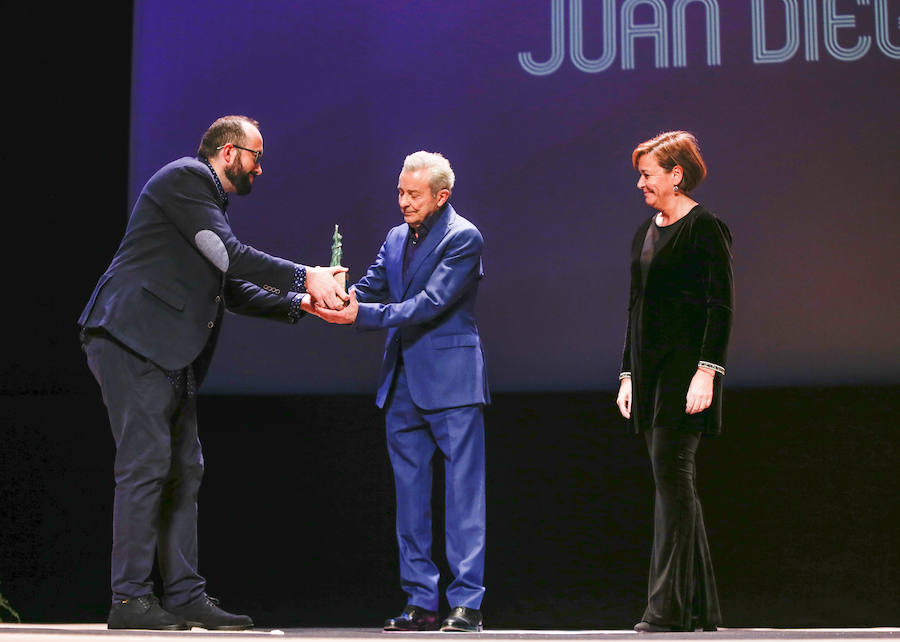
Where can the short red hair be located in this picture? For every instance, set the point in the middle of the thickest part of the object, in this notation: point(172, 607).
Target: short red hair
point(675, 148)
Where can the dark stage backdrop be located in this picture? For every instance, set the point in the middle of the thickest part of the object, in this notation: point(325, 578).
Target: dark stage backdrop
point(538, 106)
point(297, 510)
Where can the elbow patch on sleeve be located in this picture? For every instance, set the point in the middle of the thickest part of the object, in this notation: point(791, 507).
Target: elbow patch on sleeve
point(212, 247)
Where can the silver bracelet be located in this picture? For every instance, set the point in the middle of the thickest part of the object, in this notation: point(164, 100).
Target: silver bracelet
point(712, 366)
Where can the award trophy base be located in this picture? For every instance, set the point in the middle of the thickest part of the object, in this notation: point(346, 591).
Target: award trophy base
point(342, 280)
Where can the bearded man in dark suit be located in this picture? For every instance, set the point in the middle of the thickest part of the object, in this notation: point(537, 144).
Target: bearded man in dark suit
point(149, 331)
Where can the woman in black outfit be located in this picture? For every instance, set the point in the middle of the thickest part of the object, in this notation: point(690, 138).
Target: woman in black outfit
point(679, 322)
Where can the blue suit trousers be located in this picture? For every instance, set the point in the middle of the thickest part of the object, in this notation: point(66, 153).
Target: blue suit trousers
point(413, 435)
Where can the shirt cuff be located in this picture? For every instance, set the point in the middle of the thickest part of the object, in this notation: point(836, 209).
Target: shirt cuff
point(712, 366)
point(299, 279)
point(624, 375)
point(294, 309)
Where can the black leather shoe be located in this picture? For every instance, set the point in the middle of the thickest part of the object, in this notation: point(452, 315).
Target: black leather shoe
point(649, 627)
point(206, 614)
point(462, 618)
point(699, 626)
point(413, 618)
point(143, 612)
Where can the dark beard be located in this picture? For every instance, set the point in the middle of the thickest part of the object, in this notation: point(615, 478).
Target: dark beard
point(239, 178)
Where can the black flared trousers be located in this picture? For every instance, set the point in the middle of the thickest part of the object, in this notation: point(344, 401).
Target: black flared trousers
point(681, 590)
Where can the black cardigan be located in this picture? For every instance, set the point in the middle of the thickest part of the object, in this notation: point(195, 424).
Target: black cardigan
point(681, 317)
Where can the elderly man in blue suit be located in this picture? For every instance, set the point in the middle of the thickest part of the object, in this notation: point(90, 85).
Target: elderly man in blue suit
point(433, 386)
point(149, 331)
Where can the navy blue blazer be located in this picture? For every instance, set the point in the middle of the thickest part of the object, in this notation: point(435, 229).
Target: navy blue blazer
point(177, 266)
point(429, 314)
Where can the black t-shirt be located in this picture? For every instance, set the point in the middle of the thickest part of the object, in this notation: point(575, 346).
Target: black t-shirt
point(656, 237)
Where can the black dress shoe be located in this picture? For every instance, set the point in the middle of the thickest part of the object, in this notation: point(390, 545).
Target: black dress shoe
point(413, 618)
point(462, 618)
point(143, 612)
point(698, 626)
point(649, 627)
point(206, 614)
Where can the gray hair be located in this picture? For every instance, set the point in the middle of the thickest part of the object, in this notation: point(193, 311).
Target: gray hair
point(441, 177)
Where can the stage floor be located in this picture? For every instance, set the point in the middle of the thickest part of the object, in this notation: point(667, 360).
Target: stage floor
point(88, 632)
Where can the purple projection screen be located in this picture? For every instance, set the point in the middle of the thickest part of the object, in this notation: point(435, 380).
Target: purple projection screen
point(538, 106)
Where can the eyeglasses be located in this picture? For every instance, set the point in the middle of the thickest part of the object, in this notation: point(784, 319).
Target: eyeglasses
point(246, 149)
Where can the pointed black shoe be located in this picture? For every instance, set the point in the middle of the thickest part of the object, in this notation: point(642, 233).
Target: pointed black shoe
point(143, 612)
point(462, 618)
point(413, 618)
point(206, 614)
point(649, 627)
point(696, 625)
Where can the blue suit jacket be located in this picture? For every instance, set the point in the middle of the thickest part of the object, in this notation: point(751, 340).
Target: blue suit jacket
point(429, 314)
point(162, 296)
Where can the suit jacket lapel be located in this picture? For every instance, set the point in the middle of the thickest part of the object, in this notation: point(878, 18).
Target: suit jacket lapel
point(437, 232)
point(394, 262)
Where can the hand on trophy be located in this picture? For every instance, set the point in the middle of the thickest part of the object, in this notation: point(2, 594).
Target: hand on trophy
point(323, 287)
point(344, 316)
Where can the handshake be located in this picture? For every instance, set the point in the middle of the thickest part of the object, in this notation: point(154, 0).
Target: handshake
point(325, 296)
